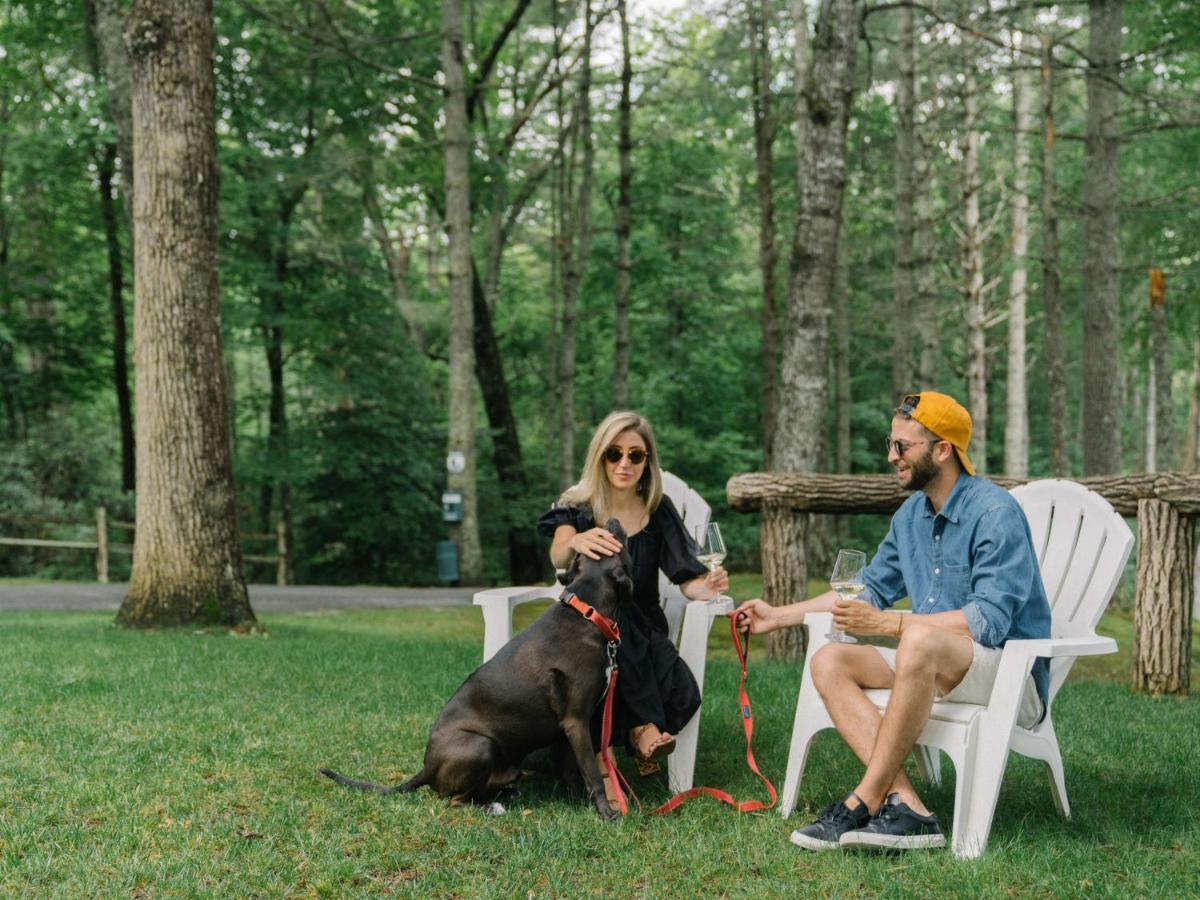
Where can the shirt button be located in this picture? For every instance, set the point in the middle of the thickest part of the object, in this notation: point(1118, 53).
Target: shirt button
point(937, 571)
point(937, 537)
point(930, 600)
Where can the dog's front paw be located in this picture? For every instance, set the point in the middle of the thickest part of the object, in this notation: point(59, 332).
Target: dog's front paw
point(607, 813)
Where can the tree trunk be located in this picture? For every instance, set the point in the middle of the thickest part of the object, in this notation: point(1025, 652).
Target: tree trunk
point(624, 260)
point(1149, 438)
point(841, 366)
point(929, 361)
point(1192, 447)
point(575, 247)
point(1016, 419)
point(397, 256)
point(524, 561)
point(1160, 346)
point(1056, 386)
point(462, 319)
point(976, 314)
point(187, 558)
point(1161, 628)
point(1101, 298)
point(764, 166)
point(903, 286)
point(804, 382)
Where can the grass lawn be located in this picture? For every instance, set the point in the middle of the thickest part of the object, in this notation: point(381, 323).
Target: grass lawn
point(184, 764)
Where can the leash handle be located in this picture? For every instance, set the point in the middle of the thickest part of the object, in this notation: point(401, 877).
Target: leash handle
point(748, 727)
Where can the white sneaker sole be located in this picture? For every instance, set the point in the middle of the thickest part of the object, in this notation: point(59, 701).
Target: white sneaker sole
point(893, 841)
point(811, 843)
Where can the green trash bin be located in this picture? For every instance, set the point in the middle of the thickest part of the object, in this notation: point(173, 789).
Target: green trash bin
point(447, 561)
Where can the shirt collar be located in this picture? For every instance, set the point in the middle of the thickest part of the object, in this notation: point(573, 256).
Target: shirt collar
point(950, 507)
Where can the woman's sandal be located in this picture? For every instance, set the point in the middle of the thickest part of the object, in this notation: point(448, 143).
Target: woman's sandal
point(646, 761)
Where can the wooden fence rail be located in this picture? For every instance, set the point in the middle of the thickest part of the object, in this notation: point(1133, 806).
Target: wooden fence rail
point(1165, 504)
point(104, 547)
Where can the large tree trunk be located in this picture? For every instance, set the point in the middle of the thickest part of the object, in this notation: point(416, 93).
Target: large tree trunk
point(1056, 386)
point(1101, 298)
point(1016, 419)
point(187, 558)
point(620, 390)
point(462, 319)
point(575, 247)
point(902, 284)
point(804, 382)
point(1161, 629)
point(977, 400)
point(764, 166)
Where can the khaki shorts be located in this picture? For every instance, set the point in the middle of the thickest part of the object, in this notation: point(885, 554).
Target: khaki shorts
point(976, 685)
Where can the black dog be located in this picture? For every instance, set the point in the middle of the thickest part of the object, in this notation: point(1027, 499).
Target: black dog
point(543, 685)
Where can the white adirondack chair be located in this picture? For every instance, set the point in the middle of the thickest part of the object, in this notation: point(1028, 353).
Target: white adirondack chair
point(1082, 546)
point(689, 623)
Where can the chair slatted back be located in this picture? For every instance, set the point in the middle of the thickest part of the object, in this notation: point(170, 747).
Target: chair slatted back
point(695, 512)
point(1082, 545)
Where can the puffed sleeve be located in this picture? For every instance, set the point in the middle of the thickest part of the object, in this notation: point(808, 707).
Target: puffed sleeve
point(677, 558)
point(578, 517)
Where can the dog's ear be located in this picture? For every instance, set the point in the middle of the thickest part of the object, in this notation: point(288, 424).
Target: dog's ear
point(613, 527)
point(568, 575)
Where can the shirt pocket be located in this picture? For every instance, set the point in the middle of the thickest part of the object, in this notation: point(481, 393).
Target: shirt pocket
point(956, 583)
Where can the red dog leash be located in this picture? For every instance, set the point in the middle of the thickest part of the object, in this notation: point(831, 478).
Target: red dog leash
point(748, 726)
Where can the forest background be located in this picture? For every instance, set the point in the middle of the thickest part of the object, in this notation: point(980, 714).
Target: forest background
point(334, 263)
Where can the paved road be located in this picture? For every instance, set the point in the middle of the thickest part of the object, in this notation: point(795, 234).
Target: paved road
point(264, 597)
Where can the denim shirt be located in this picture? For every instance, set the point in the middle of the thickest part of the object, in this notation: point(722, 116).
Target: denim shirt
point(975, 555)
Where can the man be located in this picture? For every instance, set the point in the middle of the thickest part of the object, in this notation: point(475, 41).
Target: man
point(961, 550)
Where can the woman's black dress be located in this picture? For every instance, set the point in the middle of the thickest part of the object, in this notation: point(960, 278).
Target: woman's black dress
point(654, 684)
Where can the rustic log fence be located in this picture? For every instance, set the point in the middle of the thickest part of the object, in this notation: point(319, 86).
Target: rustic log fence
point(1165, 504)
point(103, 547)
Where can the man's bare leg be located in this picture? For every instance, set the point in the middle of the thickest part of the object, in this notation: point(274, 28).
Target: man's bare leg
point(842, 673)
point(929, 661)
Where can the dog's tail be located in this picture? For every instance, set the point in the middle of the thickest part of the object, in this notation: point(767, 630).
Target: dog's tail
point(418, 780)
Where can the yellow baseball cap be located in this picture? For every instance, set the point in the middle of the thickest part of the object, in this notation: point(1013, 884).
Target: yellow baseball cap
point(945, 417)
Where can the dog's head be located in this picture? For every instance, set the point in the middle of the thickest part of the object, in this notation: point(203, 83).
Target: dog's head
point(605, 583)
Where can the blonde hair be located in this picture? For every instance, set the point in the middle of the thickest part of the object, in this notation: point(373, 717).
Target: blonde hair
point(593, 488)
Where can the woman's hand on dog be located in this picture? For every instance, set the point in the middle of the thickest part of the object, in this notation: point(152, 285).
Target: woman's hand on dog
point(594, 543)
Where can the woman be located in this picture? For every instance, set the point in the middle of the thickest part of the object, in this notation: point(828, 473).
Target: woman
point(656, 693)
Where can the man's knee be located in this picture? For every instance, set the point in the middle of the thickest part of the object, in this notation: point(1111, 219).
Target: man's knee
point(835, 665)
point(922, 646)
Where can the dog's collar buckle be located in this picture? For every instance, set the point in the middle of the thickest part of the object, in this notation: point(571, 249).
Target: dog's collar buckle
point(603, 623)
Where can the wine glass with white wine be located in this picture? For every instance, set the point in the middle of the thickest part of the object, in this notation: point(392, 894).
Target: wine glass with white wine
point(847, 580)
point(712, 550)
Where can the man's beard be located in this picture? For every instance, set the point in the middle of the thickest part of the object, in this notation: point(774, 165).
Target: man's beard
point(921, 472)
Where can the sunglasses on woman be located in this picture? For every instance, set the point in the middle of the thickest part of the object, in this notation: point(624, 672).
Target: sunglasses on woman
point(636, 455)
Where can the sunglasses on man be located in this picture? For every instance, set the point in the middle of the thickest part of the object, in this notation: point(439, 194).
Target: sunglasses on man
point(636, 455)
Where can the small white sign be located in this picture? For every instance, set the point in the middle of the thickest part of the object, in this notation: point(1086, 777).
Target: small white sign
point(456, 462)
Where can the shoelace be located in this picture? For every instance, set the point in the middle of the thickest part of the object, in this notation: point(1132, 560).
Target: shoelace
point(834, 814)
point(889, 812)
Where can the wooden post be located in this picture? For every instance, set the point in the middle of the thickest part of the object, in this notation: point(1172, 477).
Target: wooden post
point(101, 545)
point(1161, 626)
point(281, 544)
point(785, 572)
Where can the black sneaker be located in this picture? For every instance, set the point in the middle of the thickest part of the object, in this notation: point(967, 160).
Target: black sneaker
point(896, 827)
point(831, 824)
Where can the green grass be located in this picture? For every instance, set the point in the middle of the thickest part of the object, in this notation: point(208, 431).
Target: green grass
point(184, 764)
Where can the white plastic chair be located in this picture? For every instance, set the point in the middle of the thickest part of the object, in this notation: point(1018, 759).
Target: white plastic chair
point(1082, 546)
point(688, 621)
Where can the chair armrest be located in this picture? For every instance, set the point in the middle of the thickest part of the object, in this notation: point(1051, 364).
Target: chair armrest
point(515, 596)
point(1087, 645)
point(497, 605)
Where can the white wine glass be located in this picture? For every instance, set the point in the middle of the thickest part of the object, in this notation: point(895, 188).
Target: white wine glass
point(712, 550)
point(847, 580)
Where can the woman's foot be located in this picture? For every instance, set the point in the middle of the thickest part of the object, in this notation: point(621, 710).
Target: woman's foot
point(650, 744)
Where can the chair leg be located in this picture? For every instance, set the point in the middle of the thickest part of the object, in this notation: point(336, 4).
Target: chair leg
point(811, 717)
point(693, 650)
point(929, 763)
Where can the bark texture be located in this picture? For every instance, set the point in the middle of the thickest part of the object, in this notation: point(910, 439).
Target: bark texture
point(1056, 384)
point(1101, 298)
point(977, 399)
point(620, 389)
point(823, 112)
point(1016, 409)
point(1161, 627)
point(462, 319)
point(903, 288)
point(1163, 444)
point(187, 558)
